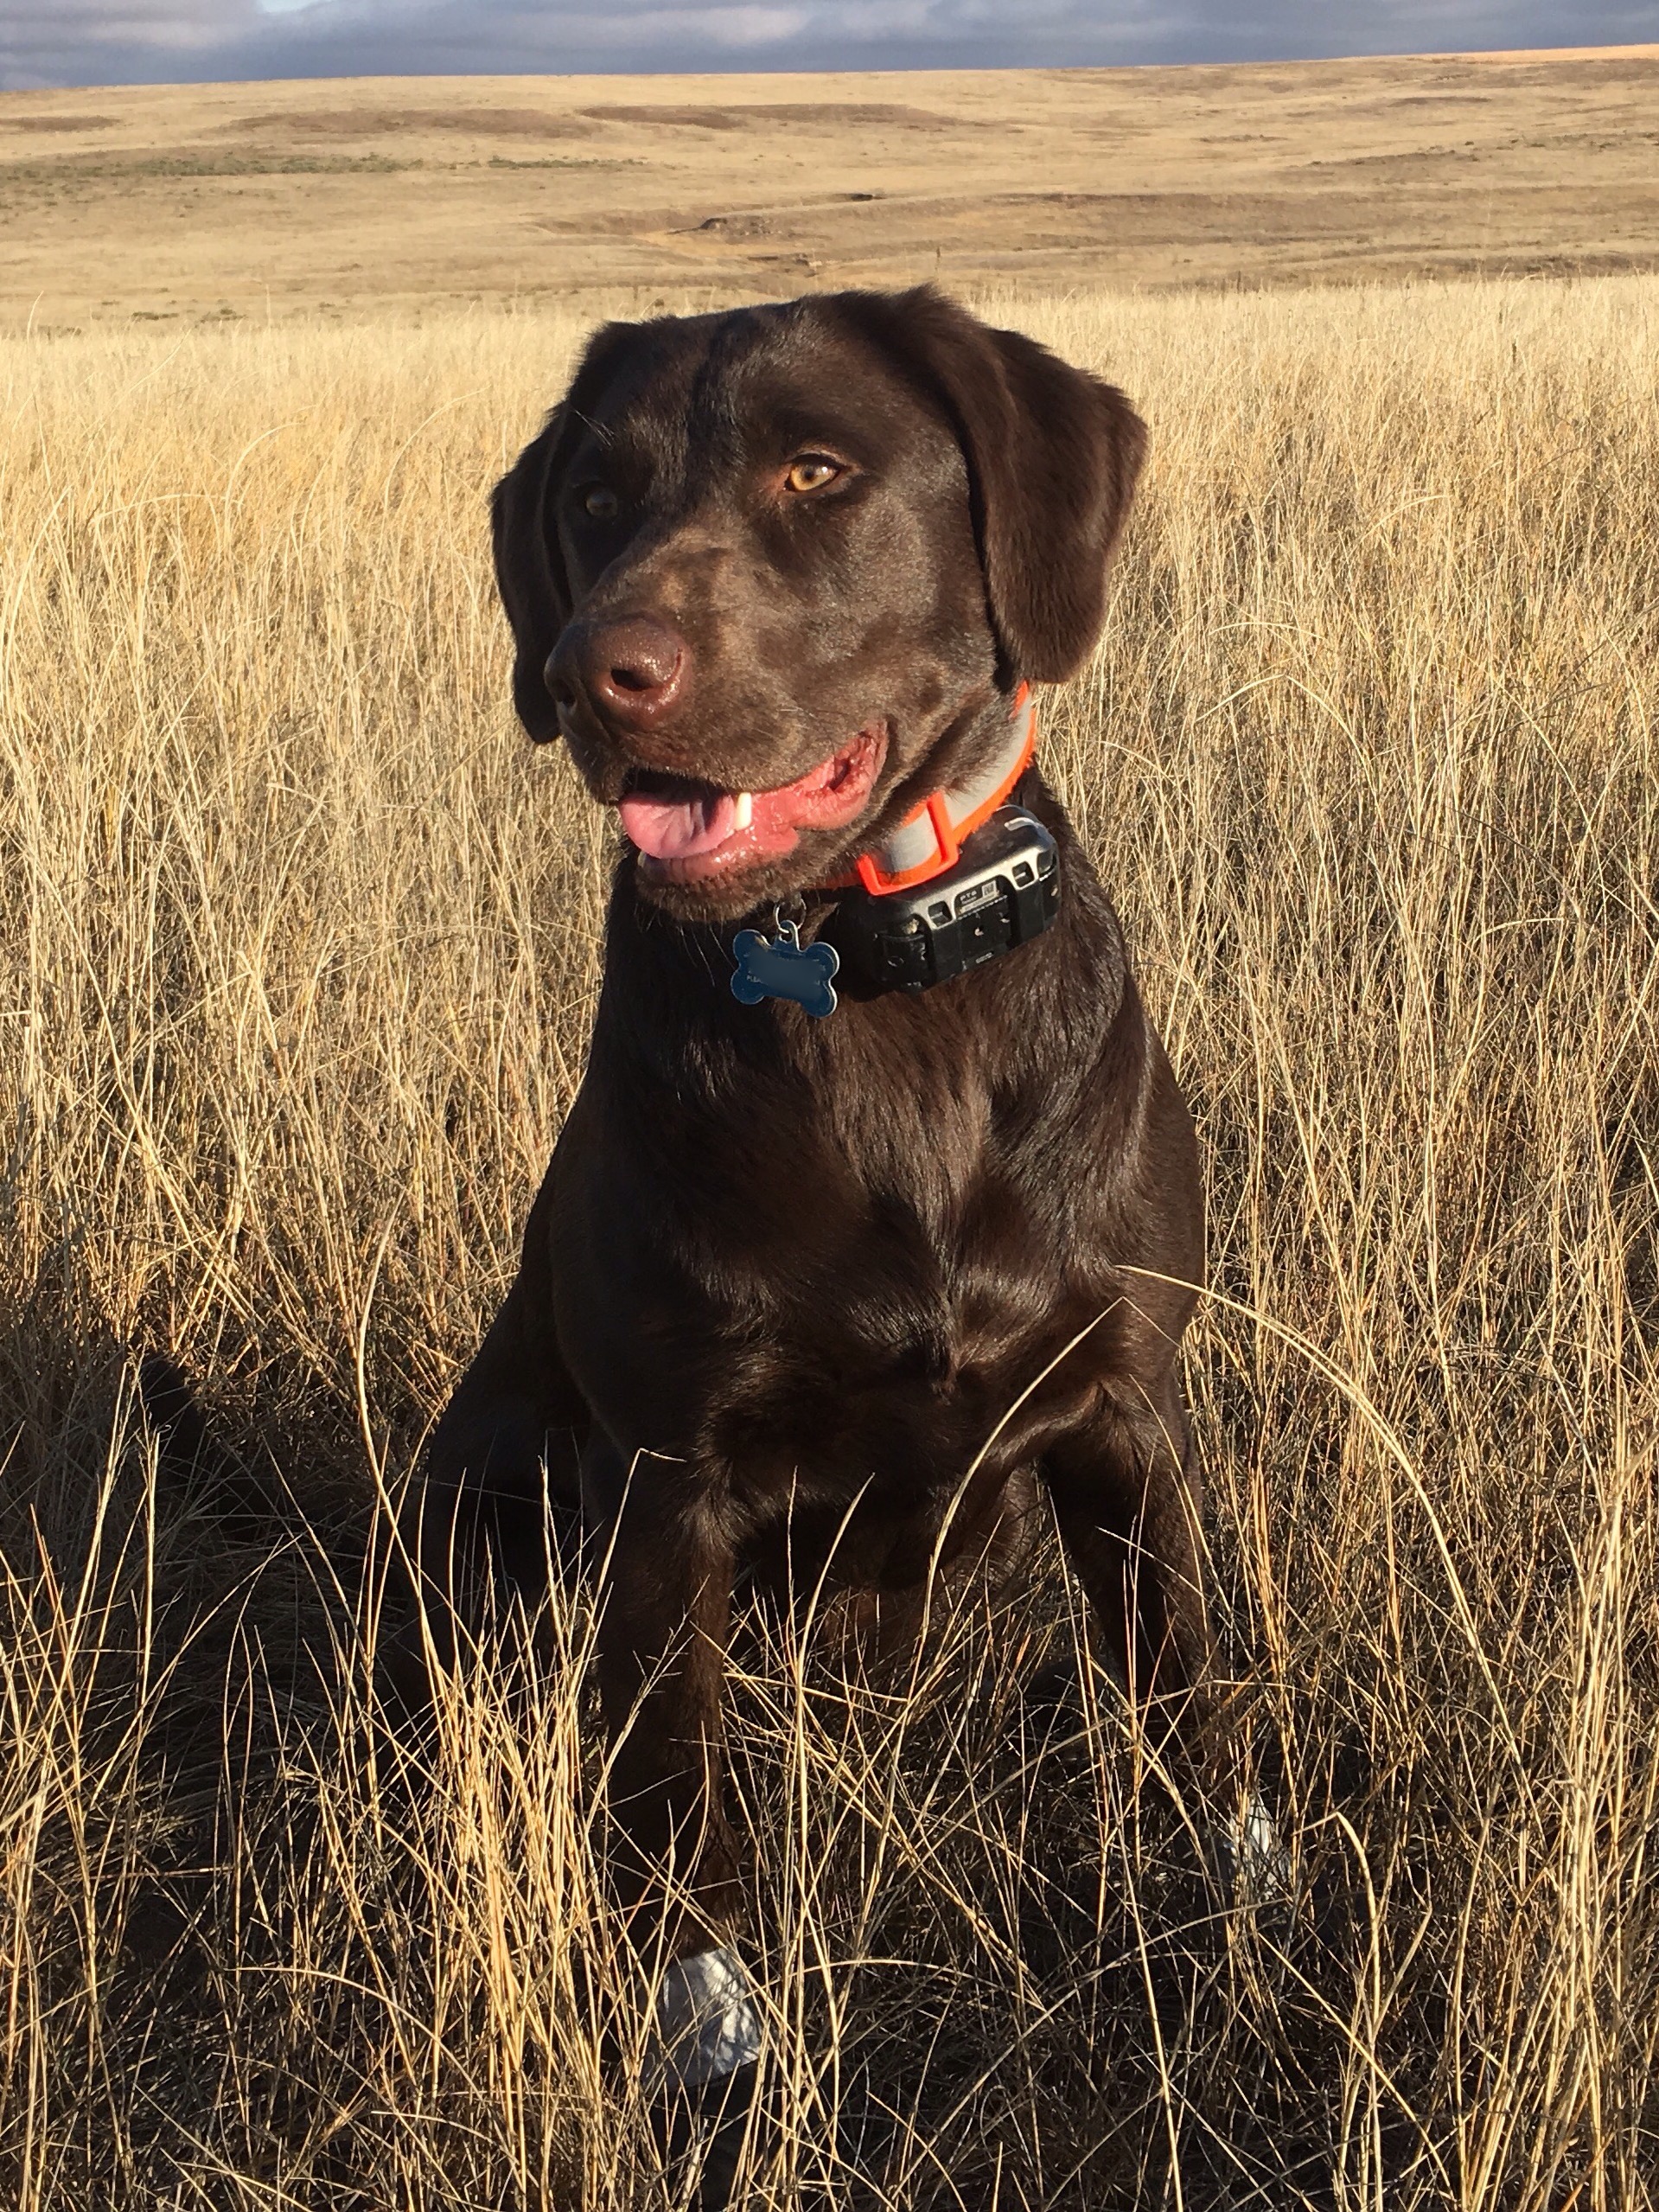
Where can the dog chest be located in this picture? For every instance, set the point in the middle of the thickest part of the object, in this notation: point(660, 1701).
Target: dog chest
point(856, 1288)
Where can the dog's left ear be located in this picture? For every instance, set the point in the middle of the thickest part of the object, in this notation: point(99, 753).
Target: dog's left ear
point(530, 575)
point(530, 572)
point(1052, 455)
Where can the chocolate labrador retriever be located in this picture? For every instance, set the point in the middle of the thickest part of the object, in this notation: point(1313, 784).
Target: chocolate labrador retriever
point(868, 1265)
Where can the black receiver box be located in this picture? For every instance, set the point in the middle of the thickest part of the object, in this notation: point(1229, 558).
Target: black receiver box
point(1004, 888)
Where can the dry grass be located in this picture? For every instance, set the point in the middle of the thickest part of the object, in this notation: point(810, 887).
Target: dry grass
point(302, 955)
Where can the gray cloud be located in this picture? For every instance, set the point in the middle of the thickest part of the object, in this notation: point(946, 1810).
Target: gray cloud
point(159, 41)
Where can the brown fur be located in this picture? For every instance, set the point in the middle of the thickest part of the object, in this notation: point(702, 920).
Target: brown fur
point(785, 1277)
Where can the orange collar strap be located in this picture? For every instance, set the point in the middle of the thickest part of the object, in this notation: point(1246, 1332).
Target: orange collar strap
point(927, 840)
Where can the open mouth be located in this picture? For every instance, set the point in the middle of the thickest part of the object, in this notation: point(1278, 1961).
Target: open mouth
point(686, 830)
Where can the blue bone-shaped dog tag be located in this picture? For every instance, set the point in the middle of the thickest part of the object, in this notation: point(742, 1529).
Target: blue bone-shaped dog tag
point(783, 967)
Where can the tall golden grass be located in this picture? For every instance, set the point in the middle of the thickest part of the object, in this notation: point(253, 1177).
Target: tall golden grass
point(301, 952)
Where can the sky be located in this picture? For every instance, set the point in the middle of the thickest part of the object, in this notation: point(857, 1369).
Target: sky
point(46, 43)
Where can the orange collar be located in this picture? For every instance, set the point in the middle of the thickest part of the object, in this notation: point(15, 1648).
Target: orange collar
point(928, 840)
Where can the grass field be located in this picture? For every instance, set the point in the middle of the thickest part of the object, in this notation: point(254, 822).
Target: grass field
point(302, 950)
point(185, 203)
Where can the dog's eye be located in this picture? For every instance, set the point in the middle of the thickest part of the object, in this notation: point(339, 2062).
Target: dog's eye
point(600, 501)
point(811, 472)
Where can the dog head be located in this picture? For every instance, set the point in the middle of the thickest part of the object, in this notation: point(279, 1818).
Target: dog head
point(768, 572)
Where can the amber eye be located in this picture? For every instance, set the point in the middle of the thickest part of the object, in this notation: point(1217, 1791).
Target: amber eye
point(811, 472)
point(600, 501)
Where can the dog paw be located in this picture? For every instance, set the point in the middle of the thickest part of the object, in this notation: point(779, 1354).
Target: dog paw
point(703, 2074)
point(1255, 1860)
point(706, 2025)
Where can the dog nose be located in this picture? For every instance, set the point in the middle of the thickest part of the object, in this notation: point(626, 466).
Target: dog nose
point(633, 669)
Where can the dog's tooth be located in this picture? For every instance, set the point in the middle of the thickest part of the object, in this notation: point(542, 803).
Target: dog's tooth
point(742, 810)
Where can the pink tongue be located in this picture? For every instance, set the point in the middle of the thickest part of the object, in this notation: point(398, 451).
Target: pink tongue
point(674, 829)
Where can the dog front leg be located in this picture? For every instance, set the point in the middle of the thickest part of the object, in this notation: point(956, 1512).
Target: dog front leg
point(666, 1614)
point(496, 1490)
point(1127, 1498)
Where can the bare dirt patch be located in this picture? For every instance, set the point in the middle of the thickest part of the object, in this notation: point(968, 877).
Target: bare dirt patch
point(380, 122)
point(58, 123)
point(759, 115)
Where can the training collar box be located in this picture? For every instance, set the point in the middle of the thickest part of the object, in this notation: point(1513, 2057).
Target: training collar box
point(1004, 889)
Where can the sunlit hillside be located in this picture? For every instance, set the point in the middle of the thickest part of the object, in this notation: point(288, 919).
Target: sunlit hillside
point(189, 203)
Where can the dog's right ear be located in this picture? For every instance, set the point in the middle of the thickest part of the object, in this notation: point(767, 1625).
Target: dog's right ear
point(530, 572)
point(1052, 456)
